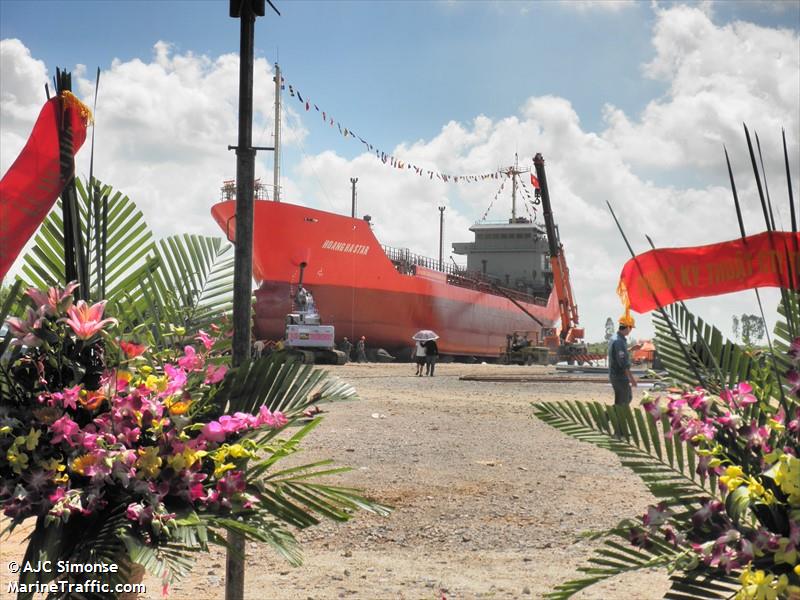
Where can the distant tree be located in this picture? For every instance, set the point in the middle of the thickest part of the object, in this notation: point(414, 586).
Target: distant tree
point(753, 329)
point(735, 327)
point(609, 328)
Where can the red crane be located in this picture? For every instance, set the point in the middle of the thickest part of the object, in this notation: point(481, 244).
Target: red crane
point(568, 344)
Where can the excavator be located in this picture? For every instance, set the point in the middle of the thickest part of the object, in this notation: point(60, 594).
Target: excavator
point(567, 344)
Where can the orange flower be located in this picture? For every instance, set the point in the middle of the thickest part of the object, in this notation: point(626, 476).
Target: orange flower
point(132, 349)
point(91, 400)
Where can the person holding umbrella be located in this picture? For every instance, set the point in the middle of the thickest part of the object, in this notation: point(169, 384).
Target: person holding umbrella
point(428, 339)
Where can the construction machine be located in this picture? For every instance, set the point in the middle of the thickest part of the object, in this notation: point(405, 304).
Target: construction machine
point(306, 336)
point(567, 343)
point(522, 349)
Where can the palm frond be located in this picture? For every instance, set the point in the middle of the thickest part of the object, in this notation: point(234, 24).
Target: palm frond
point(721, 362)
point(194, 285)
point(615, 557)
point(280, 384)
point(666, 464)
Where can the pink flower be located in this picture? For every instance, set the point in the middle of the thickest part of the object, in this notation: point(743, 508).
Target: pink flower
point(24, 330)
point(213, 432)
point(270, 419)
point(87, 320)
point(54, 301)
point(177, 379)
point(64, 429)
point(69, 397)
point(196, 492)
point(215, 374)
point(205, 339)
point(191, 361)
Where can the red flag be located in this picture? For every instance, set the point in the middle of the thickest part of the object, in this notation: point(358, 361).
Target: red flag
point(663, 276)
point(534, 181)
point(31, 186)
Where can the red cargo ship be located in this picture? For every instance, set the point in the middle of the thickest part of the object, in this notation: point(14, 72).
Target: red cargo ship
point(365, 289)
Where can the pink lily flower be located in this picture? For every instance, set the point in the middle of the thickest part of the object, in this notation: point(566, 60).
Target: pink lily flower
point(87, 320)
point(23, 330)
point(54, 301)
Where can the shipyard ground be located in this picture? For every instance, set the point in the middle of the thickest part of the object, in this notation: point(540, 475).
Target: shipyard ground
point(489, 502)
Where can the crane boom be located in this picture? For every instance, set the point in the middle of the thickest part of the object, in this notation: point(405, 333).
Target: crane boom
point(570, 331)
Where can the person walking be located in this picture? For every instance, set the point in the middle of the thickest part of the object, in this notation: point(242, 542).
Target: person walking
point(619, 362)
point(431, 354)
point(419, 356)
point(361, 350)
point(346, 346)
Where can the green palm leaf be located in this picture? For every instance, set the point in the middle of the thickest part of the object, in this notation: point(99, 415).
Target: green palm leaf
point(116, 253)
point(666, 464)
point(720, 362)
point(280, 384)
point(194, 285)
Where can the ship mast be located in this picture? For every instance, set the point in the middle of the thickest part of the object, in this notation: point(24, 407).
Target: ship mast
point(276, 175)
point(513, 171)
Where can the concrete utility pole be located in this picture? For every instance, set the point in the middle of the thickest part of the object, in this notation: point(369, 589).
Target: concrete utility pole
point(353, 180)
point(441, 236)
point(247, 11)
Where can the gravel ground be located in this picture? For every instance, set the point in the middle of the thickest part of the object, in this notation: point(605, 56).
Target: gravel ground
point(488, 501)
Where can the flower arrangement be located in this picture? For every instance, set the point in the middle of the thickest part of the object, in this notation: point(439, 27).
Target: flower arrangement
point(722, 459)
point(127, 453)
point(751, 447)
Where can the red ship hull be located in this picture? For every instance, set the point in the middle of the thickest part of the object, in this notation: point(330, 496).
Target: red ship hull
point(359, 291)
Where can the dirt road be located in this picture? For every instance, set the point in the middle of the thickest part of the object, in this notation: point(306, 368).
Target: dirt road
point(489, 502)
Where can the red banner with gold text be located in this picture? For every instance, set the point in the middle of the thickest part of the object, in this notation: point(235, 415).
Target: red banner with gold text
point(663, 276)
point(31, 186)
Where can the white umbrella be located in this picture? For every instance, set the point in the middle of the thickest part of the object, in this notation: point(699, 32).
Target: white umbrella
point(424, 335)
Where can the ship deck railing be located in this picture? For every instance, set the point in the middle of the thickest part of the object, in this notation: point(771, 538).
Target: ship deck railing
point(406, 262)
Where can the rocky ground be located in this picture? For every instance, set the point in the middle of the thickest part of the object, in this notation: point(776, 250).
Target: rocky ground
point(488, 501)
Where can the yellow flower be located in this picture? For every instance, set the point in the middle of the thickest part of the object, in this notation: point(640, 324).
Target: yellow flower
point(80, 463)
point(126, 376)
point(149, 462)
point(185, 459)
point(52, 465)
point(180, 407)
point(145, 370)
point(33, 439)
point(732, 478)
point(787, 477)
point(782, 556)
point(760, 585)
point(223, 468)
point(239, 451)
point(17, 460)
point(155, 383)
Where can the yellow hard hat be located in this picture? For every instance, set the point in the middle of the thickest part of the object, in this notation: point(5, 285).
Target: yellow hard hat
point(626, 320)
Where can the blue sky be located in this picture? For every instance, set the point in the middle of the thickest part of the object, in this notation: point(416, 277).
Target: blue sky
point(629, 102)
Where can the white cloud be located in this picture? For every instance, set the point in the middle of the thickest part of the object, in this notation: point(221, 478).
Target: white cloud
point(162, 125)
point(719, 77)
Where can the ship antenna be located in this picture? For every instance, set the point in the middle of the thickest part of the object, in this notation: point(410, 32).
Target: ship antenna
point(513, 172)
point(276, 175)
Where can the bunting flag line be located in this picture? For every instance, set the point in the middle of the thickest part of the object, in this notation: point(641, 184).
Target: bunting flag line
point(31, 186)
point(660, 277)
point(386, 158)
